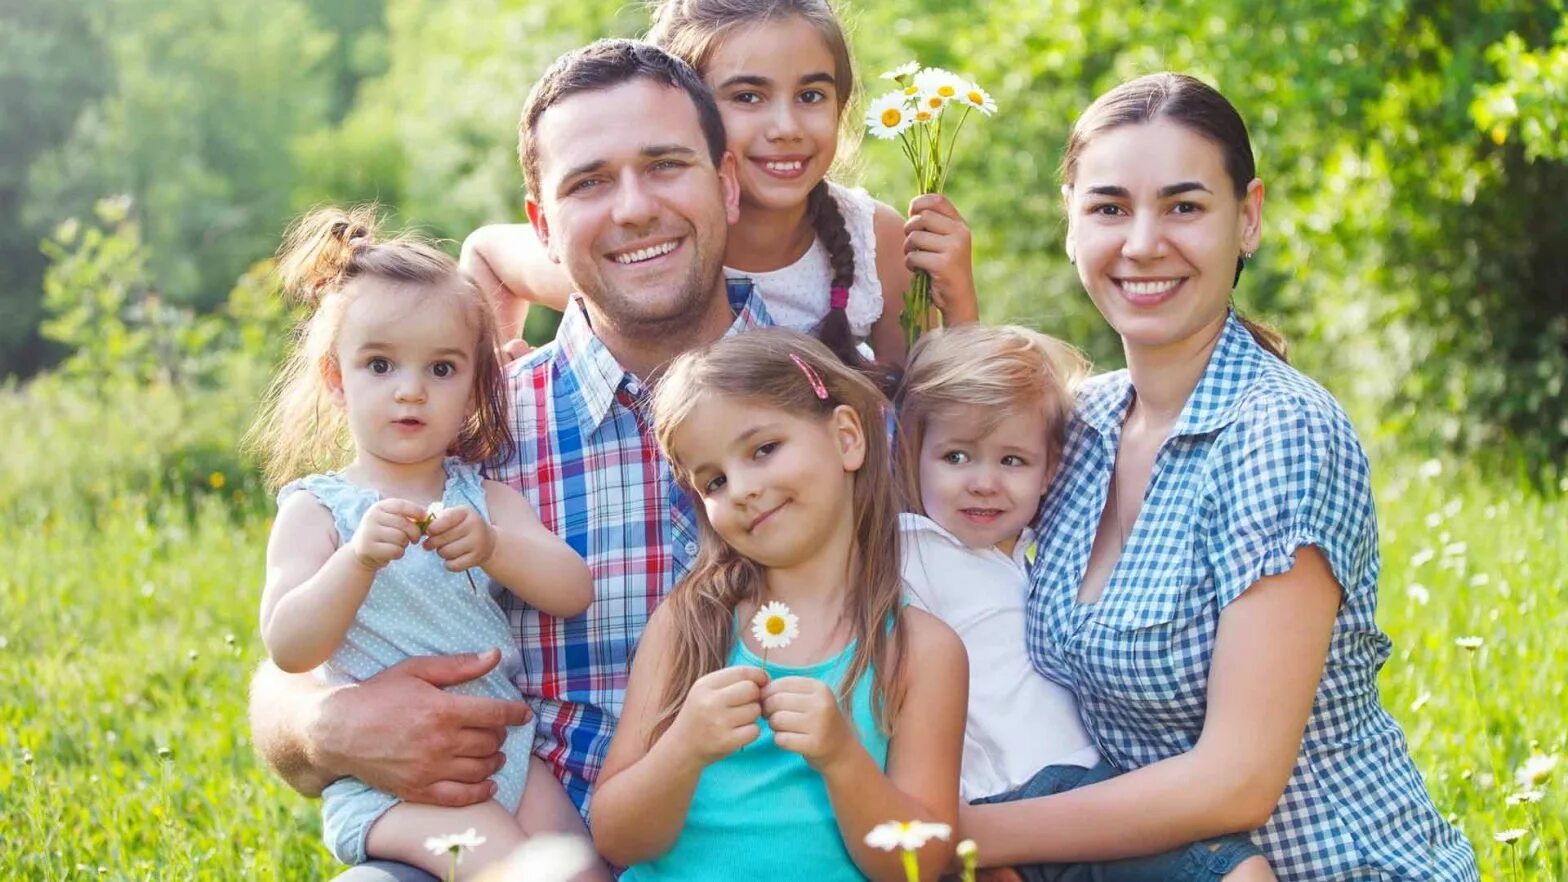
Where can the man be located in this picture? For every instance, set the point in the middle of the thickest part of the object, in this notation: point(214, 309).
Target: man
point(631, 191)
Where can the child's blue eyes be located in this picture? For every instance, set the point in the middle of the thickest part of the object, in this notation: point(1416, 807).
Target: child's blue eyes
point(955, 457)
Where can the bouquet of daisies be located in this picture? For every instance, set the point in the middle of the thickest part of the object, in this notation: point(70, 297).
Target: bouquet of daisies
point(921, 115)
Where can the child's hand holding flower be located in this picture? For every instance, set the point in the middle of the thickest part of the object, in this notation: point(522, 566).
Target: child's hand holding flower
point(937, 241)
point(807, 720)
point(462, 537)
point(385, 532)
point(720, 713)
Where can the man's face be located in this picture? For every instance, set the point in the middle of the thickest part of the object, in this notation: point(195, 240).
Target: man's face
point(631, 204)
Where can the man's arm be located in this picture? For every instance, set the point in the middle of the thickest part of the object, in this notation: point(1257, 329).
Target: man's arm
point(399, 731)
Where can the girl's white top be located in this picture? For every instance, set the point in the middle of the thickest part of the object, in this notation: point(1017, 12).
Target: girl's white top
point(797, 295)
point(1019, 722)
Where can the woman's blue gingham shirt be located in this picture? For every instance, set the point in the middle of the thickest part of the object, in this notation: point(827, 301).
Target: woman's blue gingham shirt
point(1261, 462)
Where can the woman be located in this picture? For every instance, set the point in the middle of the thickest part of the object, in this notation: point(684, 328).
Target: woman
point(1206, 578)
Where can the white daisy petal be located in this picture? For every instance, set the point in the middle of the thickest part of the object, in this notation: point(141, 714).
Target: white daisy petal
point(888, 116)
point(774, 626)
point(897, 74)
point(906, 836)
point(978, 98)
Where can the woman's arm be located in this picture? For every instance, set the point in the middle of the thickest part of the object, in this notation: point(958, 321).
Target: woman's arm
point(921, 782)
point(513, 270)
point(531, 561)
point(644, 790)
point(1268, 658)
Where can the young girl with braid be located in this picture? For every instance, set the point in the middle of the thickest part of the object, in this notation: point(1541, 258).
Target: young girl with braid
point(825, 258)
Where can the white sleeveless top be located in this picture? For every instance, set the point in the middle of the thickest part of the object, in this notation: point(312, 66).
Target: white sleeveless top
point(797, 295)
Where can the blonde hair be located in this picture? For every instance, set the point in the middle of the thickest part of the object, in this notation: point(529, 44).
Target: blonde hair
point(693, 30)
point(759, 367)
point(999, 371)
point(325, 257)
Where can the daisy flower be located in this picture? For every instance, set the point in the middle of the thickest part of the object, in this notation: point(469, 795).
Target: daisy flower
point(455, 843)
point(938, 83)
point(897, 74)
point(774, 626)
point(1469, 644)
point(978, 98)
point(1510, 836)
point(889, 116)
point(432, 511)
point(907, 836)
point(545, 857)
point(1537, 768)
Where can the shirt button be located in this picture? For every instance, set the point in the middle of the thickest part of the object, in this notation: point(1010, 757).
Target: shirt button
point(691, 548)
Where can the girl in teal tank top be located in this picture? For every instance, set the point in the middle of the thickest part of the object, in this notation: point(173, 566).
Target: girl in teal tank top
point(742, 756)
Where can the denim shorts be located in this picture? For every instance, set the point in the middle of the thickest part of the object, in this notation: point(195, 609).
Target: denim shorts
point(1206, 861)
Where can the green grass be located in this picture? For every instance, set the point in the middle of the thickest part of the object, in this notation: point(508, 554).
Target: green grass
point(128, 628)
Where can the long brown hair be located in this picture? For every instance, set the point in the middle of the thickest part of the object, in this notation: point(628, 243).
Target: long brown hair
point(758, 367)
point(693, 30)
point(330, 258)
point(1000, 371)
point(1192, 103)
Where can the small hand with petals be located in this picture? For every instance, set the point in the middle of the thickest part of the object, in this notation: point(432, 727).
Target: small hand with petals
point(385, 532)
point(462, 537)
point(807, 720)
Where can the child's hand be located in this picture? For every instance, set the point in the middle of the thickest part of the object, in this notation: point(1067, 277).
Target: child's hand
point(461, 537)
point(385, 532)
point(806, 719)
point(720, 713)
point(937, 240)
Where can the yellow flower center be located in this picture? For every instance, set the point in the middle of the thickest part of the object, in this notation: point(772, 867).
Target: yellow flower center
point(976, 97)
point(891, 117)
point(774, 626)
point(922, 116)
point(934, 102)
point(946, 91)
point(910, 90)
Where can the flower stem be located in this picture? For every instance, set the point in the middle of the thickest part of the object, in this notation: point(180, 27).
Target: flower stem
point(911, 866)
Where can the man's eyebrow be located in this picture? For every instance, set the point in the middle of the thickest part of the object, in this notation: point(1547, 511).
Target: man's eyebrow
point(649, 151)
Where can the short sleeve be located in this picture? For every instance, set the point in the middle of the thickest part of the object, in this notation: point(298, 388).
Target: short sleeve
point(1290, 477)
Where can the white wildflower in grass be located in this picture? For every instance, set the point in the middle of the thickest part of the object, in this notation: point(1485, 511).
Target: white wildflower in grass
point(1537, 769)
point(1419, 593)
point(1526, 797)
point(902, 72)
point(1511, 835)
point(1469, 644)
point(546, 857)
point(889, 116)
point(978, 98)
point(906, 835)
point(455, 844)
point(968, 853)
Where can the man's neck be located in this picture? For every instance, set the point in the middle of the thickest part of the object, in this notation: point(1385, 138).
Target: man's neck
point(644, 350)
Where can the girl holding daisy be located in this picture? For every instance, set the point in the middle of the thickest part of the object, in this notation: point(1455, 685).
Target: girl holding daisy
point(825, 258)
point(769, 752)
point(394, 555)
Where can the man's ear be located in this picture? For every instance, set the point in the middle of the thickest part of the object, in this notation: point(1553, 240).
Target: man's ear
point(332, 375)
point(851, 437)
point(729, 183)
point(541, 225)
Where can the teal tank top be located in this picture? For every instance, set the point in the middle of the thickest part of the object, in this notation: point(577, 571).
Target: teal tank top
point(763, 813)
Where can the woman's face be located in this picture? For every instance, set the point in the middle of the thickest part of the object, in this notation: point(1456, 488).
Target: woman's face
point(1155, 227)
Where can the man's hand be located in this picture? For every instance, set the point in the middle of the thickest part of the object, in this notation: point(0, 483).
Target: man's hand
point(400, 733)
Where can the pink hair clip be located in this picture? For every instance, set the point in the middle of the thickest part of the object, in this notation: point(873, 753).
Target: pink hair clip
point(811, 376)
point(838, 297)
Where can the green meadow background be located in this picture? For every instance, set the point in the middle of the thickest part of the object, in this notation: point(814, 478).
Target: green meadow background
point(1415, 252)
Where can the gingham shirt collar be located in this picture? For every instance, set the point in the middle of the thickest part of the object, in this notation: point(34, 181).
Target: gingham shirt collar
point(1212, 404)
point(580, 353)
